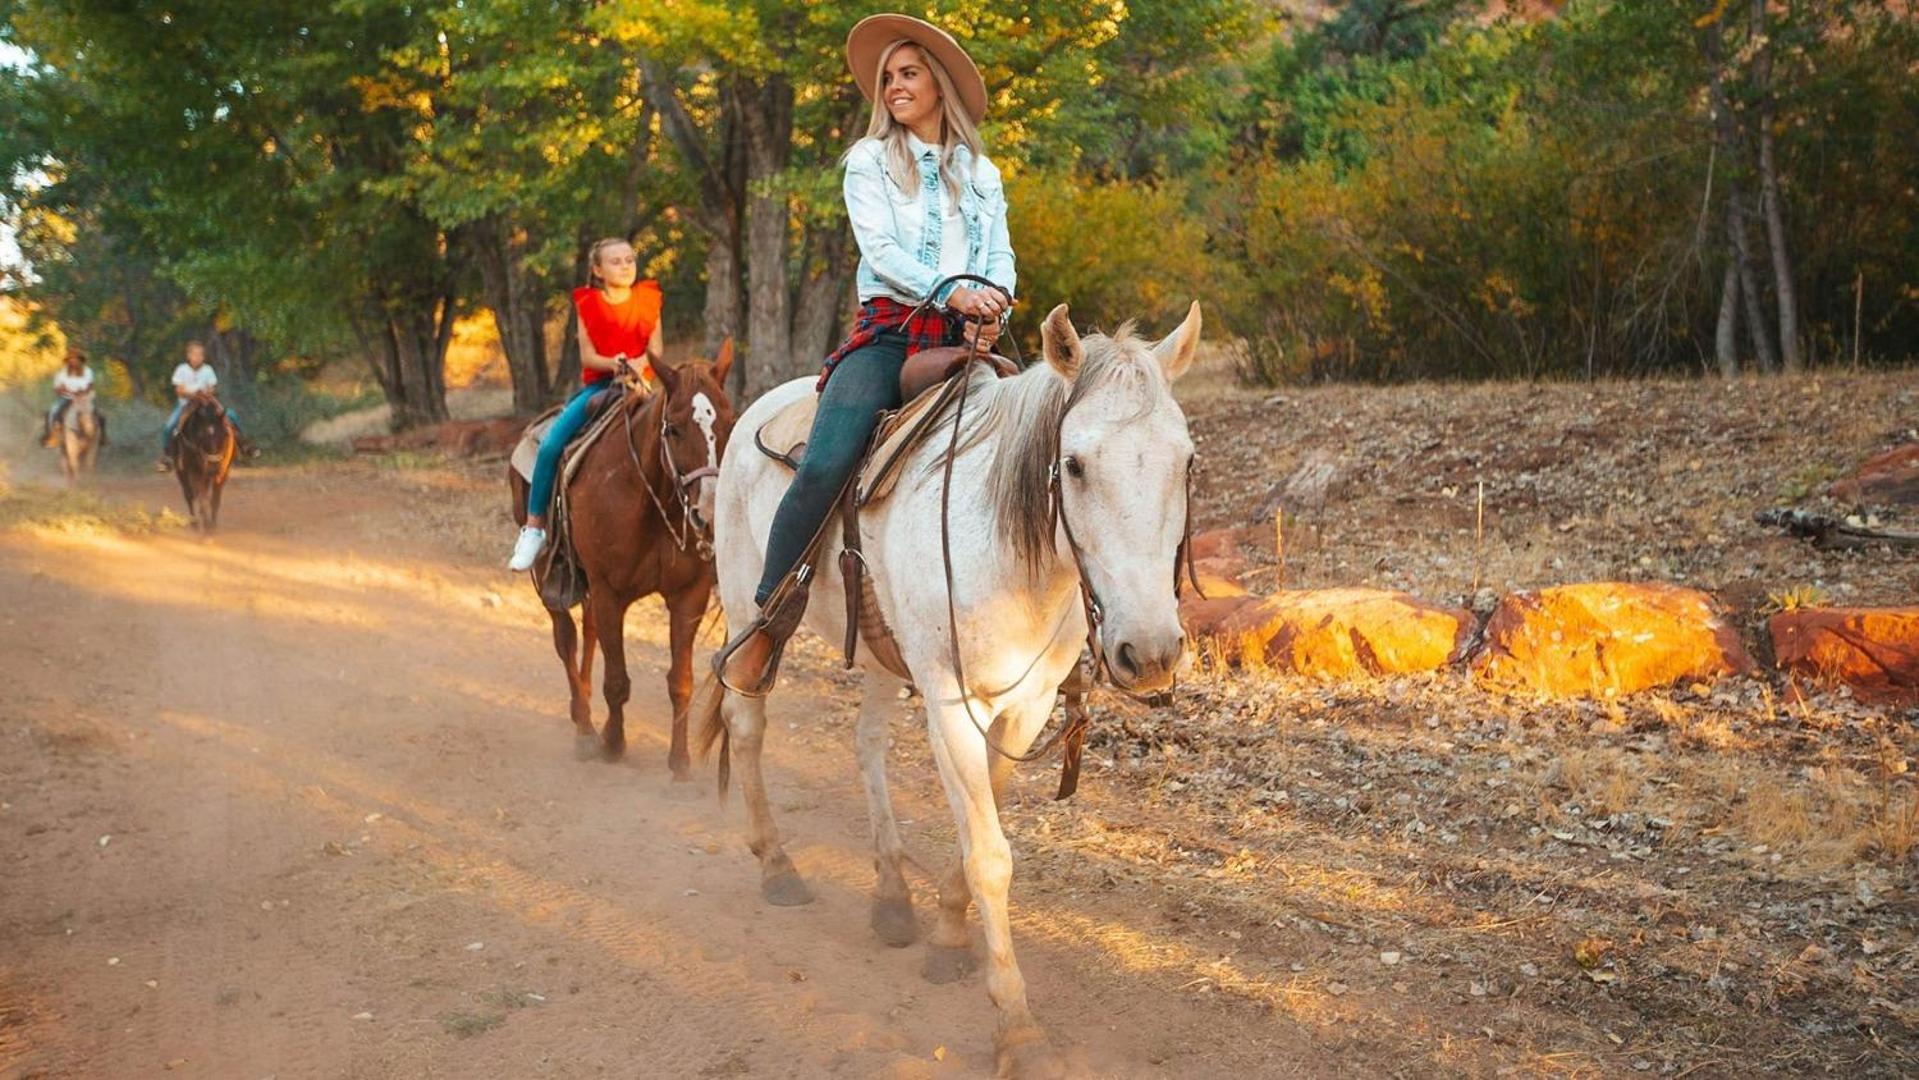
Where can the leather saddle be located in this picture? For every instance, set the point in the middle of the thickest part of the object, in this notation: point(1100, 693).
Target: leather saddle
point(929, 383)
point(527, 450)
point(926, 375)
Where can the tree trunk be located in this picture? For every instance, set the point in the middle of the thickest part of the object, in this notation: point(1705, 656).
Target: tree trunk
point(1749, 290)
point(415, 336)
point(725, 312)
point(1739, 251)
point(1726, 336)
point(567, 375)
point(1786, 295)
point(519, 307)
point(768, 123)
point(819, 311)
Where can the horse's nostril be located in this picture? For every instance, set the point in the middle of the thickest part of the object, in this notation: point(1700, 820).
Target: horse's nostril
point(1128, 660)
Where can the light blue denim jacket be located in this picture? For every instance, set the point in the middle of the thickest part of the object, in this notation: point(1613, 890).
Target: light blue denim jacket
point(889, 225)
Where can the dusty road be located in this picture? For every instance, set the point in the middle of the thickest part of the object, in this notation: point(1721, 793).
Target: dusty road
point(345, 834)
point(302, 801)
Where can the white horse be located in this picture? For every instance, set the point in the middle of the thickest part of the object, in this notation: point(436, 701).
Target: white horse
point(1095, 423)
point(79, 438)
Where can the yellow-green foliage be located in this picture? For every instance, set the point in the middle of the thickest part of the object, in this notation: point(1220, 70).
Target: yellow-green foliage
point(1116, 250)
point(29, 353)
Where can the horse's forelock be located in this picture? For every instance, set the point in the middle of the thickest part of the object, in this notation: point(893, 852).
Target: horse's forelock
point(1026, 412)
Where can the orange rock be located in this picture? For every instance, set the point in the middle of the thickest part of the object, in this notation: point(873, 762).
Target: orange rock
point(1229, 543)
point(1344, 633)
point(1605, 638)
point(1221, 576)
point(1206, 619)
point(1873, 650)
point(1891, 477)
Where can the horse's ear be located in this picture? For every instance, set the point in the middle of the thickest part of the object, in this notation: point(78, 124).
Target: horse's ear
point(669, 377)
point(1175, 353)
point(1059, 343)
point(724, 365)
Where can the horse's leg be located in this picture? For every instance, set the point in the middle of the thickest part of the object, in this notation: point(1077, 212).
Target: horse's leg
point(1020, 1044)
point(213, 504)
point(565, 641)
point(583, 689)
point(892, 916)
point(609, 620)
point(780, 883)
point(950, 955)
point(685, 610)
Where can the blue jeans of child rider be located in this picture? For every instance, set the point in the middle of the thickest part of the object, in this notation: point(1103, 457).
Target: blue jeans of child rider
point(173, 421)
point(864, 383)
point(546, 469)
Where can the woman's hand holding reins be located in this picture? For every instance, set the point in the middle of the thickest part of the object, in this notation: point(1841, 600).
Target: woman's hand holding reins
point(979, 303)
point(986, 332)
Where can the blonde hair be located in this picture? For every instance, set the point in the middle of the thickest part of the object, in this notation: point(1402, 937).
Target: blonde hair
point(593, 256)
point(956, 128)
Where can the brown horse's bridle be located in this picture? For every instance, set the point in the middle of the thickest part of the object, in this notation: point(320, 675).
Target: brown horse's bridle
point(691, 532)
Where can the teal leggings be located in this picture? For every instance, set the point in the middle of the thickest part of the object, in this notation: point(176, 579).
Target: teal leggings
point(546, 468)
point(863, 385)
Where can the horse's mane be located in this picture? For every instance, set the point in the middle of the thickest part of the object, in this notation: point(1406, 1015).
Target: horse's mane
point(1024, 412)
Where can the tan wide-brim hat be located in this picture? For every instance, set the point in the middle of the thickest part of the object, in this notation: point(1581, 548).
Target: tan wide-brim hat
point(868, 42)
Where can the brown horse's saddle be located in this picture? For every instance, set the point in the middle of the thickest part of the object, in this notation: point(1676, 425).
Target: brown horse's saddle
point(783, 438)
point(527, 450)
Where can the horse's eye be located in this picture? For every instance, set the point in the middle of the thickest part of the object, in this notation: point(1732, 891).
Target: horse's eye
point(672, 431)
point(1074, 469)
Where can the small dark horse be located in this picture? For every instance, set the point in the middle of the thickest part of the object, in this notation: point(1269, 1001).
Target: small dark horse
point(203, 449)
point(640, 508)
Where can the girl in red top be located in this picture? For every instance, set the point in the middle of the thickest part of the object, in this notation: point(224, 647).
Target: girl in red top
point(619, 335)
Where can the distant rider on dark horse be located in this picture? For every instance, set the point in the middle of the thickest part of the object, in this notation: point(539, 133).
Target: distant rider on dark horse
point(194, 380)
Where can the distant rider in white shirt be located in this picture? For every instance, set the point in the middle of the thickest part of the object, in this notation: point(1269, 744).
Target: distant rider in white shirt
point(72, 380)
point(192, 380)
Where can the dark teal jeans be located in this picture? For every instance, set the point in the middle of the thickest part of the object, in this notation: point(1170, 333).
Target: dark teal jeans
point(863, 385)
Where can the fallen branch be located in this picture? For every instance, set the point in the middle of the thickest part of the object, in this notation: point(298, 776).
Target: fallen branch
point(1826, 531)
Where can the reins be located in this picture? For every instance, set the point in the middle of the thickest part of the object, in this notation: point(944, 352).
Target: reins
point(689, 524)
point(1095, 614)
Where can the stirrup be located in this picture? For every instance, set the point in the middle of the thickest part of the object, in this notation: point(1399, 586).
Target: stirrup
point(778, 621)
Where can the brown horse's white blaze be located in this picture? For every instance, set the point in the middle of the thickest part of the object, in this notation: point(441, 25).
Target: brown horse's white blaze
point(1101, 411)
point(636, 525)
point(706, 417)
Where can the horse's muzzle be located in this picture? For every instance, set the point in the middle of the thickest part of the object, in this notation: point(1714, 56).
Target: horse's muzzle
point(1147, 665)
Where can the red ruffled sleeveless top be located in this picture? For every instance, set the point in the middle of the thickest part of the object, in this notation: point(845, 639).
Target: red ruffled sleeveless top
point(616, 329)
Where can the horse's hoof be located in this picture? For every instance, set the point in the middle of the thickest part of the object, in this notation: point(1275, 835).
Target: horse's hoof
point(586, 746)
point(786, 890)
point(945, 964)
point(893, 921)
point(1027, 1054)
point(612, 751)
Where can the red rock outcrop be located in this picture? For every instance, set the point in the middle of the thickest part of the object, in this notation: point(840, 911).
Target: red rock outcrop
point(1601, 639)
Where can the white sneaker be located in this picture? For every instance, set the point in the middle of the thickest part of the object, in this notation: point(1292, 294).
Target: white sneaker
point(527, 548)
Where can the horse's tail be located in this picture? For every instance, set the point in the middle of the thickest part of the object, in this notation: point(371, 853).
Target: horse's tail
point(709, 705)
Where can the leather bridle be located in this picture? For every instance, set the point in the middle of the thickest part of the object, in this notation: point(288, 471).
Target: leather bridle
point(691, 532)
point(1074, 732)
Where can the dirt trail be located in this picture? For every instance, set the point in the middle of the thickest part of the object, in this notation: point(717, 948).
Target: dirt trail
point(302, 801)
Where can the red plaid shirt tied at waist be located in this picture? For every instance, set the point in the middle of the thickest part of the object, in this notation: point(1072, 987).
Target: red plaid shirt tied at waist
point(930, 329)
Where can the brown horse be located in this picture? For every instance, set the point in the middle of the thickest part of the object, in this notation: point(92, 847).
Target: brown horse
point(639, 511)
point(203, 447)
